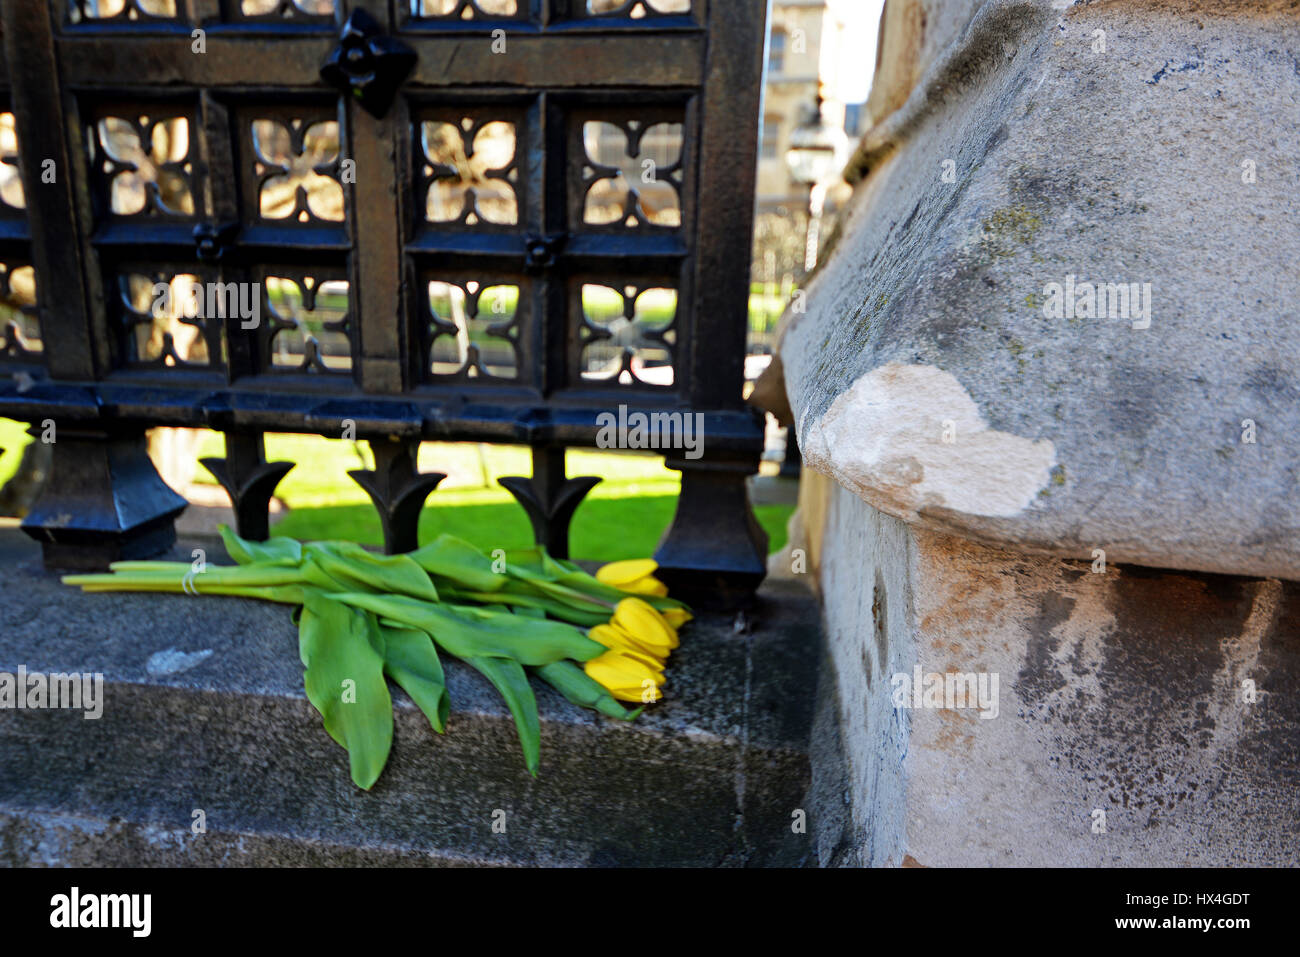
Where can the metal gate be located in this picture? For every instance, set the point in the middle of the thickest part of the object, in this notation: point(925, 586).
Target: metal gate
point(488, 220)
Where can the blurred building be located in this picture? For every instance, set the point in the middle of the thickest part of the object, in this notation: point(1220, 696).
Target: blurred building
point(791, 83)
point(814, 46)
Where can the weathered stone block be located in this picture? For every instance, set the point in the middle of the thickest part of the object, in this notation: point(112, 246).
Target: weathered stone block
point(949, 368)
point(204, 710)
point(1166, 699)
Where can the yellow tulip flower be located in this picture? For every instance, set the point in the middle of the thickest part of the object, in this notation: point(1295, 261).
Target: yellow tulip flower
point(617, 639)
point(651, 662)
point(645, 624)
point(634, 575)
point(676, 617)
point(625, 677)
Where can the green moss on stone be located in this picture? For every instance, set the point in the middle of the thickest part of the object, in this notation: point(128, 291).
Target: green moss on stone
point(1009, 228)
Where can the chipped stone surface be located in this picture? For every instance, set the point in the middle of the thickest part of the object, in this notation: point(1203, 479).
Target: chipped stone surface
point(172, 661)
point(908, 437)
point(1074, 165)
point(982, 421)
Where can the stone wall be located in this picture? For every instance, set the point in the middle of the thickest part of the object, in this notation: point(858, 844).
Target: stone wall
point(1100, 508)
point(1121, 690)
point(1071, 166)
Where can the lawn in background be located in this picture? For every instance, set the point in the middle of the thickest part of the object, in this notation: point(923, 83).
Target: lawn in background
point(623, 517)
point(13, 439)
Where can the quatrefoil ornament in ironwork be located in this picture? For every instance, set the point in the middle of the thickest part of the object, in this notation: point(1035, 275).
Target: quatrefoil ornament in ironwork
point(211, 240)
point(368, 64)
point(540, 252)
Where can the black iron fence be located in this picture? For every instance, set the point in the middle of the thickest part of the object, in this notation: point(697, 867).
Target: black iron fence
point(480, 220)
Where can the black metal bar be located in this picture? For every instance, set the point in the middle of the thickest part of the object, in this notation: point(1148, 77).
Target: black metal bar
point(283, 404)
point(715, 551)
point(549, 498)
point(714, 554)
point(292, 61)
point(68, 316)
point(103, 501)
point(398, 490)
point(379, 148)
point(249, 480)
point(728, 143)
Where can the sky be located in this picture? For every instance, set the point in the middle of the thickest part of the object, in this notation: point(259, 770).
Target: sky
point(848, 66)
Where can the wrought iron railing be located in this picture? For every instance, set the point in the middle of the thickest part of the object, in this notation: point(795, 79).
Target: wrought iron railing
point(487, 220)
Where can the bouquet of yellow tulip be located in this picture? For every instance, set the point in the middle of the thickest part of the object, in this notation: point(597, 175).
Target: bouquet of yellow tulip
point(364, 618)
point(639, 637)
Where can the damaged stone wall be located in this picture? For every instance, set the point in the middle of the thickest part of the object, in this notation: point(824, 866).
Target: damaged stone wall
point(1168, 436)
point(1168, 700)
point(1099, 505)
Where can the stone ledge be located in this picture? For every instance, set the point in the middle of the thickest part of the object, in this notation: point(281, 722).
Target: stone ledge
point(64, 840)
point(709, 777)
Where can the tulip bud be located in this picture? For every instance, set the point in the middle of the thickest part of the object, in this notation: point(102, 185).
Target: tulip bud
point(622, 675)
point(616, 638)
point(635, 575)
point(676, 617)
point(645, 625)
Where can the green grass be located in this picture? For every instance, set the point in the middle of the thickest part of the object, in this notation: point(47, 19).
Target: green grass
point(13, 439)
point(623, 517)
point(604, 529)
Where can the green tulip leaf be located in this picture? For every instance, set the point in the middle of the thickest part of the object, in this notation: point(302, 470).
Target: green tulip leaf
point(525, 560)
point(411, 660)
point(511, 680)
point(273, 551)
point(529, 603)
point(355, 568)
point(468, 632)
point(317, 577)
point(344, 680)
point(575, 684)
point(458, 561)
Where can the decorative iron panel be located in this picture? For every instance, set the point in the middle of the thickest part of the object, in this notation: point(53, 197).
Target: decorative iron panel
point(488, 220)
